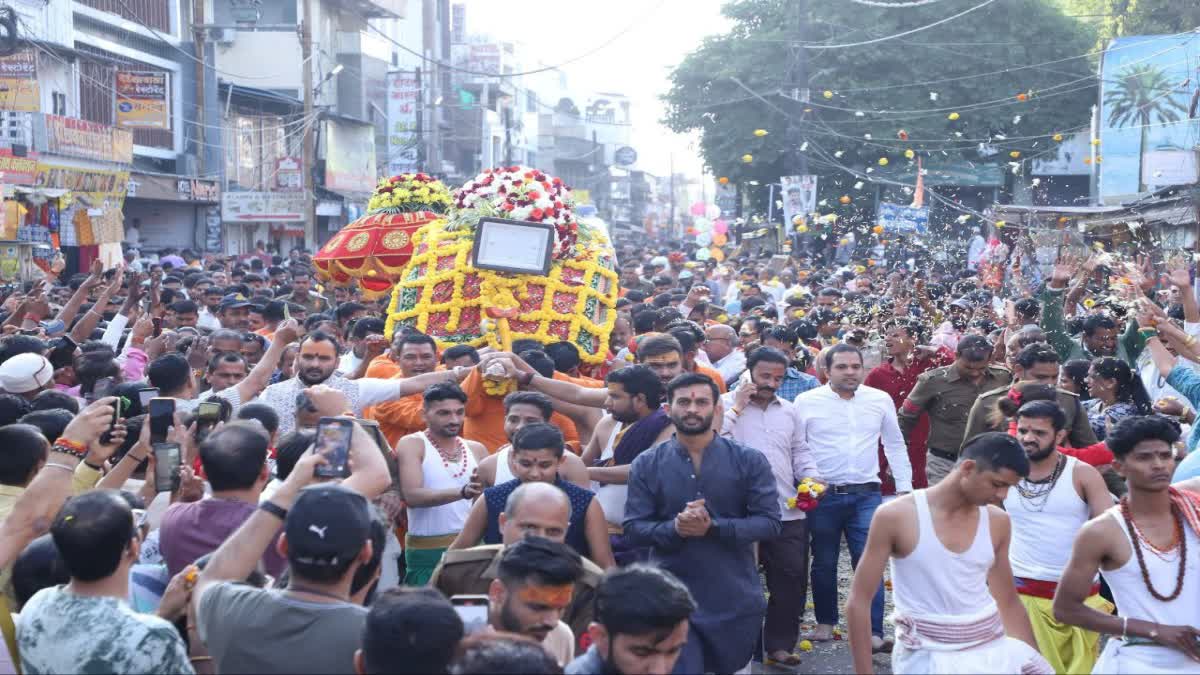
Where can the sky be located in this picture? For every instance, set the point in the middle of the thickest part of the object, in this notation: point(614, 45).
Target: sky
point(654, 36)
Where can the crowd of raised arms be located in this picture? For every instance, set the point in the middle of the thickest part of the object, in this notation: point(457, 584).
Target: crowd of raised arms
point(221, 464)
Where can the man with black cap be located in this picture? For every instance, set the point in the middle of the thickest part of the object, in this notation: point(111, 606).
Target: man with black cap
point(234, 312)
point(312, 626)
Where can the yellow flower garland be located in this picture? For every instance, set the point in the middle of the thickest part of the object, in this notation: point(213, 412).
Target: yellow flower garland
point(440, 243)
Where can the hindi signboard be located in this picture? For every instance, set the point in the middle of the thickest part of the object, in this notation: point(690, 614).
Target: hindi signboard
point(19, 91)
point(403, 92)
point(143, 100)
point(900, 219)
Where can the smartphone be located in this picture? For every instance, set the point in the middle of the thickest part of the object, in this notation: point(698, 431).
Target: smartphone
point(157, 326)
point(287, 313)
point(144, 396)
point(473, 610)
point(162, 416)
point(167, 458)
point(208, 414)
point(103, 387)
point(333, 441)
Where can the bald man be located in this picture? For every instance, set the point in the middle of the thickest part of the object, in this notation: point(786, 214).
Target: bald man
point(537, 509)
point(721, 346)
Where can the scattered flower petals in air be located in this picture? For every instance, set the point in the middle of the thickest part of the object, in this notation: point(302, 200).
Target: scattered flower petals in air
point(858, 185)
point(902, 135)
point(1022, 96)
point(839, 154)
point(883, 161)
point(804, 146)
point(1016, 119)
point(952, 116)
point(1015, 154)
point(723, 180)
point(867, 136)
point(845, 199)
point(909, 154)
point(963, 218)
point(760, 132)
point(1000, 223)
point(1095, 141)
point(859, 113)
point(827, 94)
point(747, 158)
point(1036, 182)
point(933, 96)
point(1058, 138)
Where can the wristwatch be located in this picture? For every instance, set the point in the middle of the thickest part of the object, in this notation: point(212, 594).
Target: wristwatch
point(274, 509)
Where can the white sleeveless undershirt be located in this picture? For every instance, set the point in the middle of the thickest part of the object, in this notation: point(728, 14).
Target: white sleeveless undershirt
point(934, 581)
point(1040, 545)
point(611, 497)
point(1130, 592)
point(433, 521)
point(503, 472)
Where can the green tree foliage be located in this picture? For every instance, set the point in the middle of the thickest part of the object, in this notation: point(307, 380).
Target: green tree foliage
point(981, 62)
point(1117, 18)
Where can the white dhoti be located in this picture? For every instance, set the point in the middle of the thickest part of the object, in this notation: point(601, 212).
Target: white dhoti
point(962, 644)
point(1153, 659)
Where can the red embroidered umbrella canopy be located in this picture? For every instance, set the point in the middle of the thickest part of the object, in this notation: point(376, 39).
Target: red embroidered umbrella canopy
point(374, 249)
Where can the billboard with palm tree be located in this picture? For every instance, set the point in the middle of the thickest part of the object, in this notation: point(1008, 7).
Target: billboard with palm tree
point(1148, 132)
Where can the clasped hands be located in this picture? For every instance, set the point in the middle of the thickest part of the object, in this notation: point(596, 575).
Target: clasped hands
point(693, 520)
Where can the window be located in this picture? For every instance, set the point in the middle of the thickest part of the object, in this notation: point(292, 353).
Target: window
point(153, 13)
point(59, 103)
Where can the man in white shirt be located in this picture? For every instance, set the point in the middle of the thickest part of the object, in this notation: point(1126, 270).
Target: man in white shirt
point(316, 364)
point(842, 424)
point(723, 351)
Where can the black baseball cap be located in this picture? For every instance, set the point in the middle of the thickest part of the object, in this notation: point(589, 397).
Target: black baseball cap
point(233, 301)
point(327, 525)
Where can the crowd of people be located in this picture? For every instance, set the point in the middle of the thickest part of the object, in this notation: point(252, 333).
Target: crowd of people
point(1017, 443)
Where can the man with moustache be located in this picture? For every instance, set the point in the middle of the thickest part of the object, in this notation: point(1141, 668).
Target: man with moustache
point(758, 418)
point(700, 502)
point(317, 363)
point(532, 590)
point(1047, 508)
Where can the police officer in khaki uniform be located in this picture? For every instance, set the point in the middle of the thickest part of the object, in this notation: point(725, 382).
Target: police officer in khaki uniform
point(947, 394)
point(1039, 363)
point(539, 509)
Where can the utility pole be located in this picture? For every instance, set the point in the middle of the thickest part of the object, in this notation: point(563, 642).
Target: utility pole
point(310, 155)
point(674, 227)
point(199, 34)
point(798, 87)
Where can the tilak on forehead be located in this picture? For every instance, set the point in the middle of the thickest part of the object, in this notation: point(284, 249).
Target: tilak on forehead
point(557, 597)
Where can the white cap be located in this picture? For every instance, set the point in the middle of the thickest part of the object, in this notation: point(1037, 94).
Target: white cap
point(25, 373)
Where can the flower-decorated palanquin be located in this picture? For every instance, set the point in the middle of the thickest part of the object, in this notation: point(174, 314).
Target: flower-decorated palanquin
point(441, 294)
point(374, 249)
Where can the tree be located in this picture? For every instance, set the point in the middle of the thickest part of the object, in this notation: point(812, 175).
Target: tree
point(881, 101)
point(1118, 18)
point(1142, 95)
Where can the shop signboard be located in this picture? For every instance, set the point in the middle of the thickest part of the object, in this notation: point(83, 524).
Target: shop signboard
point(19, 91)
point(288, 174)
point(263, 207)
point(143, 100)
point(17, 170)
point(88, 140)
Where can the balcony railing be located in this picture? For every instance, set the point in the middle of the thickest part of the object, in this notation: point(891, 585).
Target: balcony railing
point(154, 13)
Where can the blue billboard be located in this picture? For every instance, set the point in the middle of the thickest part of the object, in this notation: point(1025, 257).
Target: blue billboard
point(899, 219)
point(1148, 135)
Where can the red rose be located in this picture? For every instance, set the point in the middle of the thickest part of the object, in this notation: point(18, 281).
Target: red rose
point(534, 194)
point(536, 214)
point(508, 206)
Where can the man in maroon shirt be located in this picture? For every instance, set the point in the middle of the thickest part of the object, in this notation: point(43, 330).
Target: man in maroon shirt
point(235, 461)
point(897, 376)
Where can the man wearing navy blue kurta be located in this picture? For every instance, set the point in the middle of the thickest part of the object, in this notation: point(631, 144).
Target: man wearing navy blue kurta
point(700, 502)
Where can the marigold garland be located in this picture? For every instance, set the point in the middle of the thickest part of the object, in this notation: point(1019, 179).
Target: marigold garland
point(409, 192)
point(436, 242)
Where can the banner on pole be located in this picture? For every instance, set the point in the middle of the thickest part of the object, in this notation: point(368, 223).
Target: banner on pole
point(799, 198)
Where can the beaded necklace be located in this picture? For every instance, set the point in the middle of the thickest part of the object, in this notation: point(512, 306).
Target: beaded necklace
point(1138, 540)
point(1037, 492)
point(460, 449)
